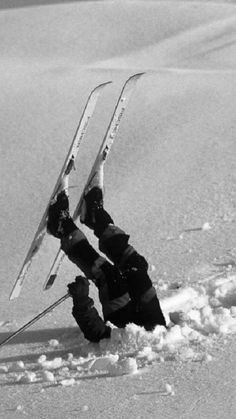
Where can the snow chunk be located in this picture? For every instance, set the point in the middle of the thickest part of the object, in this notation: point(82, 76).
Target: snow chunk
point(52, 365)
point(28, 377)
point(206, 227)
point(182, 300)
point(103, 363)
point(41, 359)
point(152, 268)
point(48, 376)
point(17, 366)
point(174, 336)
point(70, 356)
point(68, 382)
point(124, 366)
point(147, 353)
point(3, 369)
point(187, 354)
point(208, 357)
point(233, 311)
point(169, 390)
point(53, 343)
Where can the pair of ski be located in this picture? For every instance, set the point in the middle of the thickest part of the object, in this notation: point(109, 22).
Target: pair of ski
point(103, 152)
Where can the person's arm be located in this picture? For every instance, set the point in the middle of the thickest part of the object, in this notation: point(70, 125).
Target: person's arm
point(84, 312)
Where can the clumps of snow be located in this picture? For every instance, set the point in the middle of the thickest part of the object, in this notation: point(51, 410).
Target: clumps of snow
point(48, 376)
point(195, 315)
point(53, 343)
point(17, 366)
point(19, 408)
point(148, 354)
point(162, 285)
point(68, 382)
point(152, 268)
point(104, 363)
point(182, 300)
point(123, 366)
point(27, 377)
point(208, 357)
point(206, 227)
point(169, 390)
point(3, 369)
point(70, 356)
point(50, 365)
point(42, 359)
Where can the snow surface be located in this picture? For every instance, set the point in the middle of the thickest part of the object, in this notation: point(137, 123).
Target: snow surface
point(201, 315)
point(173, 170)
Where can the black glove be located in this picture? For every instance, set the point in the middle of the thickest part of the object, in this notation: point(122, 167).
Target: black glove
point(79, 290)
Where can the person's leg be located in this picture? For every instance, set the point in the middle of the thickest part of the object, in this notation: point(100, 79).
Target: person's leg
point(114, 243)
point(112, 289)
point(79, 251)
point(73, 241)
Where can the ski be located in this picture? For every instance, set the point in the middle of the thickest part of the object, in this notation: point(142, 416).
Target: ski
point(65, 171)
point(103, 152)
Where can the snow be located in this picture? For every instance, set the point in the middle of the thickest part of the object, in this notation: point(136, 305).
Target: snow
point(200, 314)
point(48, 376)
point(173, 173)
point(27, 377)
point(53, 343)
point(169, 390)
point(68, 382)
point(206, 226)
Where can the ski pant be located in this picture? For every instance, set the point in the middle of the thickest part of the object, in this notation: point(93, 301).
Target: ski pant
point(125, 289)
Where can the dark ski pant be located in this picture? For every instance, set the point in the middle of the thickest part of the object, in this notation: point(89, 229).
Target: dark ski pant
point(125, 288)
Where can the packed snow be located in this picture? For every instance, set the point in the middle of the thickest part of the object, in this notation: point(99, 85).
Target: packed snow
point(196, 315)
point(170, 183)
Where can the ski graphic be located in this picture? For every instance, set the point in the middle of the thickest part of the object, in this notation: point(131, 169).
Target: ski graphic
point(66, 168)
point(103, 152)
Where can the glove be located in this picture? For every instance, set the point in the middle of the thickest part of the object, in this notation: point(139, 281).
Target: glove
point(79, 290)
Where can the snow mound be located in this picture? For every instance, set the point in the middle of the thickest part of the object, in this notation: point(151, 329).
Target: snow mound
point(196, 315)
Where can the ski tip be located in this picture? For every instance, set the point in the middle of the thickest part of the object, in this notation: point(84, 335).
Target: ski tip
point(100, 86)
point(107, 82)
point(137, 75)
point(133, 79)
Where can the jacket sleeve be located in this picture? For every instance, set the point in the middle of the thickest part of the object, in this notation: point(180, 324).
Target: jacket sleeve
point(89, 321)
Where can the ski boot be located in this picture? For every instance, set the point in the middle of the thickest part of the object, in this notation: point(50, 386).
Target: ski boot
point(60, 223)
point(93, 214)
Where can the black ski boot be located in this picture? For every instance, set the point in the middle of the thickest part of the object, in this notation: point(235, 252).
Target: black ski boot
point(92, 204)
point(93, 215)
point(60, 223)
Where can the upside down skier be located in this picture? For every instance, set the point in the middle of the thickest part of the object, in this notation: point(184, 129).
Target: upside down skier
point(125, 289)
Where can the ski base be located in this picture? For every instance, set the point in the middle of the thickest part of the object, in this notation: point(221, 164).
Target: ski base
point(66, 168)
point(103, 153)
